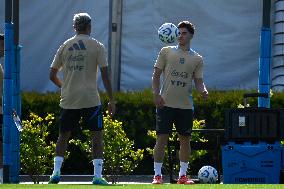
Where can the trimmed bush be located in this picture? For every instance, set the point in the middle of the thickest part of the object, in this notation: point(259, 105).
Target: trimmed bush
point(137, 112)
point(120, 157)
point(36, 152)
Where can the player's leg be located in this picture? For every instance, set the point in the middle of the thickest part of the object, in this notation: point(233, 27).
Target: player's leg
point(184, 154)
point(61, 147)
point(93, 119)
point(68, 120)
point(159, 152)
point(184, 120)
point(163, 128)
point(97, 149)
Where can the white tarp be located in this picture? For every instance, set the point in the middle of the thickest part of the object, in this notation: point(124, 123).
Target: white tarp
point(227, 36)
point(44, 26)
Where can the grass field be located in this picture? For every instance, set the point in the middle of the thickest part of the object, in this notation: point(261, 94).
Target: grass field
point(141, 186)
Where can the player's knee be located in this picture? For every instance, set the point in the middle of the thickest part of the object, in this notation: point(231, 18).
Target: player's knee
point(161, 142)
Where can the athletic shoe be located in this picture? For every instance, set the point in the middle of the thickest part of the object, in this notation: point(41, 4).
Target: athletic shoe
point(54, 178)
point(99, 181)
point(184, 180)
point(157, 179)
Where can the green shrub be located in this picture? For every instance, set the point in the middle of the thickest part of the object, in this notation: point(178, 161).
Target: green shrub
point(120, 157)
point(36, 152)
point(40, 103)
point(137, 112)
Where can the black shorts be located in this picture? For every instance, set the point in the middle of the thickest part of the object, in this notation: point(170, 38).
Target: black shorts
point(92, 119)
point(166, 117)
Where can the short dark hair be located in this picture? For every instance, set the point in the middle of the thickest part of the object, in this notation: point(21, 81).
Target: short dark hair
point(188, 25)
point(1, 36)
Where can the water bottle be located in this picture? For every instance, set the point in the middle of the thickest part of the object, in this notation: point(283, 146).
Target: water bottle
point(17, 121)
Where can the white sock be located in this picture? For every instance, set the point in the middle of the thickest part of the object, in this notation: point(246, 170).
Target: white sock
point(158, 168)
point(98, 167)
point(183, 168)
point(57, 164)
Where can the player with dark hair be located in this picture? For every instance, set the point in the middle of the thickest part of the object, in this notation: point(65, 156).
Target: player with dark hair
point(179, 66)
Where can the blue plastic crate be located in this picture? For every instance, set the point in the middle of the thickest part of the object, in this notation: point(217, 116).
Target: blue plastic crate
point(251, 163)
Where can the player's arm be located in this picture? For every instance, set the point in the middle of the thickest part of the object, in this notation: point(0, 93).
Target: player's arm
point(107, 85)
point(158, 100)
point(54, 78)
point(56, 65)
point(200, 87)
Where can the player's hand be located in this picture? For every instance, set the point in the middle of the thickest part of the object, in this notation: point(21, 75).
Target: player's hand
point(204, 94)
point(158, 100)
point(111, 108)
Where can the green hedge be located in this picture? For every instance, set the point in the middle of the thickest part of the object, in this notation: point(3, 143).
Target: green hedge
point(137, 112)
point(135, 109)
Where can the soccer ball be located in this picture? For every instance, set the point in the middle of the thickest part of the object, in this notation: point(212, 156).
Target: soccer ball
point(168, 33)
point(207, 174)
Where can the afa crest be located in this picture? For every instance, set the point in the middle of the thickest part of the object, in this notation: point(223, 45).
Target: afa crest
point(181, 60)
